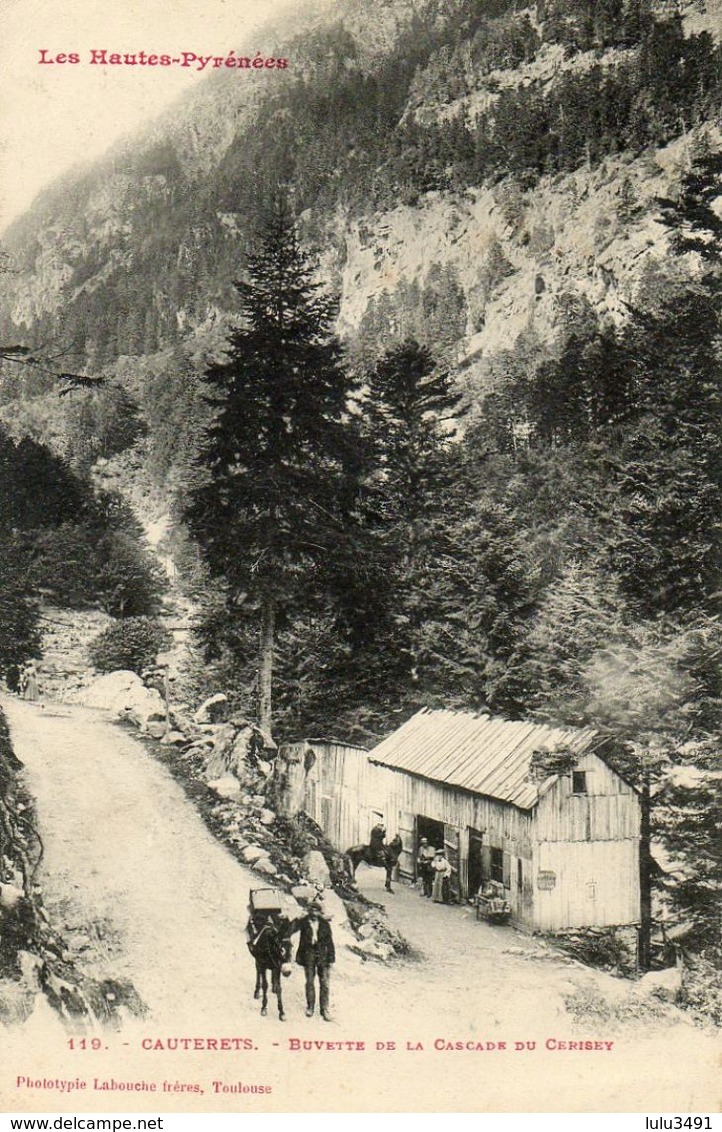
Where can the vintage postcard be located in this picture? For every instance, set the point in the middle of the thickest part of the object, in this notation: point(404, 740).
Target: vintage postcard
point(359, 583)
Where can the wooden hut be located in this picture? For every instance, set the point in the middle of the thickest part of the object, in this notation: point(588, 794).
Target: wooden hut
point(330, 782)
point(565, 845)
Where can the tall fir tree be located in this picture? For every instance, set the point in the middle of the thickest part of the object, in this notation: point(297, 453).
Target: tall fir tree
point(694, 224)
point(278, 458)
point(412, 465)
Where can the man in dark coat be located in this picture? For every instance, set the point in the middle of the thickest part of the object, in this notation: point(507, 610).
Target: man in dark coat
point(424, 863)
point(316, 954)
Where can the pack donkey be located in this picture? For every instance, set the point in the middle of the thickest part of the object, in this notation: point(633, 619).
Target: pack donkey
point(268, 935)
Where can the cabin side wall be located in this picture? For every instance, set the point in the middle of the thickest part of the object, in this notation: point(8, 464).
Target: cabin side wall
point(336, 789)
point(586, 851)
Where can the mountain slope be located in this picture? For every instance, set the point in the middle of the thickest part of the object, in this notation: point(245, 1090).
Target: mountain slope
point(422, 104)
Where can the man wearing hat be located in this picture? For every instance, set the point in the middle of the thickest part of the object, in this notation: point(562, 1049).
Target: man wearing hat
point(424, 863)
point(316, 954)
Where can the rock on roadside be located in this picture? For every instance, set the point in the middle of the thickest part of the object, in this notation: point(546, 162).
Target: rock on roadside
point(125, 696)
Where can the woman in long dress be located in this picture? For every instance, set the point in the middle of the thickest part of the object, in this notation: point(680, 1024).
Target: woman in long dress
point(442, 872)
point(31, 691)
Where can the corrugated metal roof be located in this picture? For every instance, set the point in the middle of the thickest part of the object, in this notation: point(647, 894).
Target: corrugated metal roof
point(476, 752)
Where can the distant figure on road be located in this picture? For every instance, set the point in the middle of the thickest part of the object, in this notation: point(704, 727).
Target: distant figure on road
point(425, 864)
point(30, 682)
point(442, 872)
point(316, 954)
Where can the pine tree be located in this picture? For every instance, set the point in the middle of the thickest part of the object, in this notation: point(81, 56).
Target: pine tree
point(695, 225)
point(667, 469)
point(581, 613)
point(409, 405)
point(279, 454)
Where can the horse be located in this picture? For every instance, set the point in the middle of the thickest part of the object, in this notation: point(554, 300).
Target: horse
point(390, 853)
point(270, 947)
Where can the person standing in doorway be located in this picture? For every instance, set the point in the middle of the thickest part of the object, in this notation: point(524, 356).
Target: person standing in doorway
point(424, 863)
point(442, 873)
point(316, 954)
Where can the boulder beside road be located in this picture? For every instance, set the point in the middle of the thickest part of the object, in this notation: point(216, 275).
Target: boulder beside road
point(125, 696)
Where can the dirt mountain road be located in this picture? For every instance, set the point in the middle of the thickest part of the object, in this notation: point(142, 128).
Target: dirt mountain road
point(127, 858)
point(143, 891)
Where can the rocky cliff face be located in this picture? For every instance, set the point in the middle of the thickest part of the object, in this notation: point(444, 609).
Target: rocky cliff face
point(590, 234)
point(136, 255)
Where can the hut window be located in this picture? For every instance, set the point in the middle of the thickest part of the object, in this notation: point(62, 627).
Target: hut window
point(497, 865)
point(579, 782)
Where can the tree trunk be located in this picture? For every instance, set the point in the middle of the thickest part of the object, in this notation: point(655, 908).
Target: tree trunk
point(265, 669)
point(645, 879)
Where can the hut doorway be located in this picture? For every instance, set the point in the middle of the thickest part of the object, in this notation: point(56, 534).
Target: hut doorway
point(432, 830)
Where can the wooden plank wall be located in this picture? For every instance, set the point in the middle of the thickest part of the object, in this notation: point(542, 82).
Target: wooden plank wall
point(597, 884)
point(344, 792)
point(336, 791)
point(589, 842)
point(608, 811)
